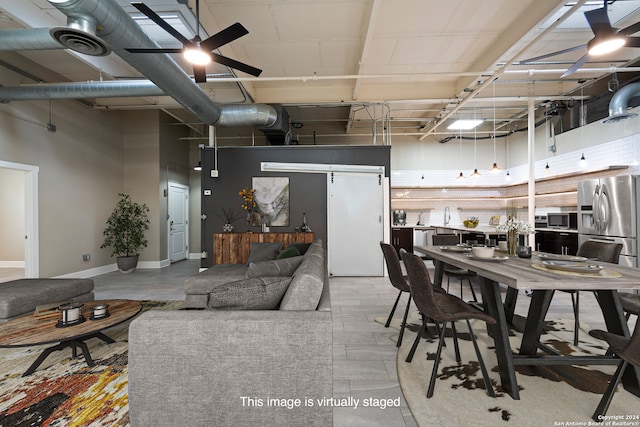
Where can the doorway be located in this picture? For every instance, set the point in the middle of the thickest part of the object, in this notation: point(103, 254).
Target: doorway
point(178, 222)
point(23, 189)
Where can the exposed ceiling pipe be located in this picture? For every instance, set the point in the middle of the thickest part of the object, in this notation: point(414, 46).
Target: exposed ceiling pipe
point(28, 39)
point(110, 89)
point(620, 103)
point(119, 31)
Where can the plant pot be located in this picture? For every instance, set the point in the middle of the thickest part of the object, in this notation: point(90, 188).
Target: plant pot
point(227, 228)
point(127, 264)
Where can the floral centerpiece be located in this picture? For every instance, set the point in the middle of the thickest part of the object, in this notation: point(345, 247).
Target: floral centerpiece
point(513, 227)
point(248, 201)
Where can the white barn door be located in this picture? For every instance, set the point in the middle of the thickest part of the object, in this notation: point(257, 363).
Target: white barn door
point(355, 223)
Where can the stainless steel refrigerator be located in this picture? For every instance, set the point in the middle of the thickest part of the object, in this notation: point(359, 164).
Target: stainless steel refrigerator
point(608, 211)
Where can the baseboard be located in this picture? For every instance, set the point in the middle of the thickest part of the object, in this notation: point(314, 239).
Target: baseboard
point(83, 274)
point(16, 264)
point(113, 267)
point(195, 255)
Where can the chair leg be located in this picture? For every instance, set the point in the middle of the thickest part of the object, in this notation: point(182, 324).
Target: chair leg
point(475, 299)
point(436, 362)
point(608, 394)
point(575, 301)
point(417, 340)
point(456, 347)
point(404, 323)
point(393, 310)
point(483, 368)
point(448, 279)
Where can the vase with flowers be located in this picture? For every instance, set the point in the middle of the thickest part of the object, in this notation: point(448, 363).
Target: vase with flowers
point(513, 228)
point(248, 202)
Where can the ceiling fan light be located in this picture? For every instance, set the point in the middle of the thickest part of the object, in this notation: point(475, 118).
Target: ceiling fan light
point(602, 46)
point(196, 56)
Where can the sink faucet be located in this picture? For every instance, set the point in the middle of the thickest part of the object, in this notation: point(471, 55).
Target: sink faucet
point(447, 216)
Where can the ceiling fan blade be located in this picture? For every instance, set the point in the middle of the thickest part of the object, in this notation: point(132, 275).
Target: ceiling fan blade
point(225, 36)
point(236, 64)
point(200, 73)
point(575, 66)
point(632, 42)
point(559, 52)
point(161, 23)
point(631, 29)
point(598, 20)
point(154, 50)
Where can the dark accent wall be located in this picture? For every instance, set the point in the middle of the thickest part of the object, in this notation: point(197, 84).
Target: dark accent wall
point(308, 191)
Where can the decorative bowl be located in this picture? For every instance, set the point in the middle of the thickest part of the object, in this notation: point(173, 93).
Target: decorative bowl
point(482, 251)
point(470, 223)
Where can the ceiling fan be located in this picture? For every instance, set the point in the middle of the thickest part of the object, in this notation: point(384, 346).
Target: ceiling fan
point(197, 51)
point(606, 39)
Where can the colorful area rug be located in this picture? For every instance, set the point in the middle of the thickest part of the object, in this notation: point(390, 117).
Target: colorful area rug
point(65, 391)
point(549, 396)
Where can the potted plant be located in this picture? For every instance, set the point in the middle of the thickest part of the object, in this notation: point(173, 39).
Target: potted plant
point(125, 232)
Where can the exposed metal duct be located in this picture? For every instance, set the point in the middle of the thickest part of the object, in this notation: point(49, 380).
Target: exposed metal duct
point(111, 89)
point(28, 39)
point(119, 30)
point(620, 103)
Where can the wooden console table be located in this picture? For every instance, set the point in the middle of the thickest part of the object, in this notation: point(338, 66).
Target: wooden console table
point(234, 248)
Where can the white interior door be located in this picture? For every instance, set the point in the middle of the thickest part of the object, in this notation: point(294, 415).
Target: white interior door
point(178, 222)
point(355, 224)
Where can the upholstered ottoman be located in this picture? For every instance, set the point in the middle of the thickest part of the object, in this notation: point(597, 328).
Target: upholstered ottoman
point(21, 296)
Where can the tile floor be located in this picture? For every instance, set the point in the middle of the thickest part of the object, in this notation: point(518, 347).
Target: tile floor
point(364, 351)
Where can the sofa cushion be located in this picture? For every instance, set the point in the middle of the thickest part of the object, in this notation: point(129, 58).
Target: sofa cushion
point(255, 293)
point(301, 247)
point(23, 295)
point(278, 267)
point(288, 253)
point(308, 280)
point(264, 251)
point(212, 277)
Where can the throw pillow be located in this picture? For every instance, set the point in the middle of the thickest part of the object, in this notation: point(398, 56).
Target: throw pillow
point(264, 251)
point(288, 253)
point(279, 267)
point(256, 293)
point(301, 247)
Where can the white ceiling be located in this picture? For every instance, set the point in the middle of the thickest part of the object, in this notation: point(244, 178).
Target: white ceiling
point(346, 64)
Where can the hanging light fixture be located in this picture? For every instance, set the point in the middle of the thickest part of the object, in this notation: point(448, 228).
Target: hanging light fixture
point(583, 160)
point(495, 167)
point(547, 169)
point(198, 167)
point(507, 176)
point(461, 176)
point(475, 173)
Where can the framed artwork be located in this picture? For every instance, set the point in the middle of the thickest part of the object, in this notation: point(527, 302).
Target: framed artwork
point(495, 220)
point(272, 201)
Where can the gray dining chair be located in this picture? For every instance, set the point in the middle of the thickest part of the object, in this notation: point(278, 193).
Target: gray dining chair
point(399, 281)
point(450, 270)
point(444, 308)
point(628, 350)
point(596, 251)
point(630, 303)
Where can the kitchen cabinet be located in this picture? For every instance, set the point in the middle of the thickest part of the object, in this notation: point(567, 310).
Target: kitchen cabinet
point(557, 242)
point(402, 238)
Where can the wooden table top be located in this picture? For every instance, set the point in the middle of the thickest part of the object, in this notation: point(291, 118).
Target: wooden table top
point(519, 274)
point(27, 330)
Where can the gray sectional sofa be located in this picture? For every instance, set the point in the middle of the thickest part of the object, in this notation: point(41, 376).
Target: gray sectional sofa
point(236, 366)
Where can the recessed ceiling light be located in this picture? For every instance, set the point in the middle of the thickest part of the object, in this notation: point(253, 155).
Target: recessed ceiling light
point(464, 124)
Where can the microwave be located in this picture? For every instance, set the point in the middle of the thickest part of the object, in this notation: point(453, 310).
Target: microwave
point(562, 220)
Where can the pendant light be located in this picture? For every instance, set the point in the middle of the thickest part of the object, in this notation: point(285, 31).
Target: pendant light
point(547, 169)
point(507, 176)
point(583, 160)
point(460, 177)
point(495, 167)
point(475, 173)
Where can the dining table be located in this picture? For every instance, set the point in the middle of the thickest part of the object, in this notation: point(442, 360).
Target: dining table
point(534, 274)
